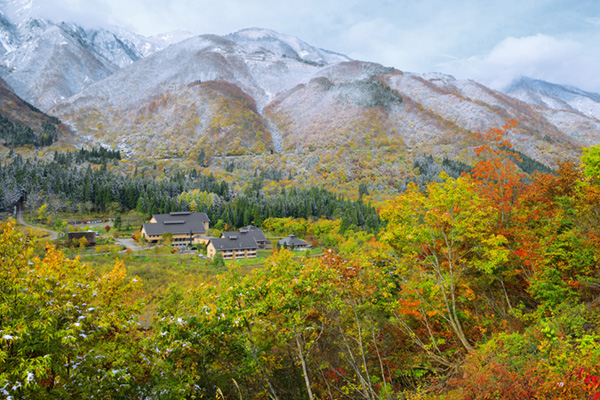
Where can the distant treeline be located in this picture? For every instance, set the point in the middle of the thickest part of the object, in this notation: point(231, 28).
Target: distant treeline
point(428, 169)
point(14, 134)
point(528, 164)
point(98, 155)
point(98, 189)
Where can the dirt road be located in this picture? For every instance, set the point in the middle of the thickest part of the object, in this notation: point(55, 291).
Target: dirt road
point(21, 220)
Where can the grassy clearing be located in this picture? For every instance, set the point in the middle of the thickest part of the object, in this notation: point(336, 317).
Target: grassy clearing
point(158, 272)
point(161, 270)
point(263, 255)
point(33, 232)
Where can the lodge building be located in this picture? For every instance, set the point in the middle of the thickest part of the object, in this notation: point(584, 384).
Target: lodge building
point(186, 228)
point(238, 244)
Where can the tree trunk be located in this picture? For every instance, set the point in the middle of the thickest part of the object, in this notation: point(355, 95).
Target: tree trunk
point(303, 362)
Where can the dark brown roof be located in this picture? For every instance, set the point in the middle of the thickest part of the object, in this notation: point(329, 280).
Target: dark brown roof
point(90, 236)
point(177, 223)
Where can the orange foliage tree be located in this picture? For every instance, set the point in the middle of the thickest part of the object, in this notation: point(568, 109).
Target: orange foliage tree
point(498, 178)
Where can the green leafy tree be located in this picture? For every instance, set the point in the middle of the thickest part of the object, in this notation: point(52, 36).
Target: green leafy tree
point(62, 325)
point(293, 330)
point(118, 222)
point(202, 158)
point(41, 212)
point(217, 260)
point(443, 236)
point(591, 162)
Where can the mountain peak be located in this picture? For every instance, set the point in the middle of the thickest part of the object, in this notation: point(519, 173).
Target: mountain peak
point(255, 33)
point(555, 96)
point(531, 83)
point(547, 87)
point(169, 38)
point(284, 46)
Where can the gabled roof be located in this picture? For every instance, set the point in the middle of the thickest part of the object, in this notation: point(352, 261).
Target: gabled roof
point(177, 223)
point(241, 243)
point(249, 231)
point(292, 240)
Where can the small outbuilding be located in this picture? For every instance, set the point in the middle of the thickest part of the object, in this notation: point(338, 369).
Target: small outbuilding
point(292, 242)
point(90, 237)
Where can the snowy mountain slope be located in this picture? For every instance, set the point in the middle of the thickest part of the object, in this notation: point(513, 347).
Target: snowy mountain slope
point(147, 46)
point(178, 122)
point(51, 64)
point(364, 123)
point(558, 97)
point(285, 46)
point(45, 62)
point(311, 100)
point(257, 91)
point(258, 71)
point(17, 11)
point(255, 70)
point(425, 114)
point(574, 124)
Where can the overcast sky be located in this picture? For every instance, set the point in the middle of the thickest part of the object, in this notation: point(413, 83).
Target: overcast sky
point(491, 41)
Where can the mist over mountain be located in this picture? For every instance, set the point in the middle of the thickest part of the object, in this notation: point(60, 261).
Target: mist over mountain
point(45, 62)
point(554, 96)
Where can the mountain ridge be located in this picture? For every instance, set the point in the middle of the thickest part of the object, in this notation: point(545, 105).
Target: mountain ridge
point(555, 96)
point(267, 98)
point(358, 115)
point(45, 62)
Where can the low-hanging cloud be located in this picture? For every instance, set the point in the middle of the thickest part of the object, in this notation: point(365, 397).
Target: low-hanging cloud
point(562, 61)
point(92, 14)
point(425, 36)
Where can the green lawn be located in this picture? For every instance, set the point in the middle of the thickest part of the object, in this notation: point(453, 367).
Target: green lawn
point(159, 272)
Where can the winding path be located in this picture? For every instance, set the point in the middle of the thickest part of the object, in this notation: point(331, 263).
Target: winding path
point(53, 235)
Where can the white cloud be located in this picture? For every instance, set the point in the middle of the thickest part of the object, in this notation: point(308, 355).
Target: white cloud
point(563, 61)
point(492, 41)
point(593, 21)
point(90, 14)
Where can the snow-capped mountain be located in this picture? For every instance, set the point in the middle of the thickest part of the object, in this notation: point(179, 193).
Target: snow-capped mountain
point(45, 62)
point(192, 82)
point(258, 40)
point(17, 11)
point(262, 66)
point(149, 45)
point(259, 92)
point(213, 91)
point(558, 97)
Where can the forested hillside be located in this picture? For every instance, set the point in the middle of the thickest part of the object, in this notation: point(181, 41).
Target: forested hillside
point(89, 187)
point(21, 124)
point(483, 286)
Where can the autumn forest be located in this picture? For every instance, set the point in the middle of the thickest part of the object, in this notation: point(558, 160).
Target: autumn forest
point(483, 283)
